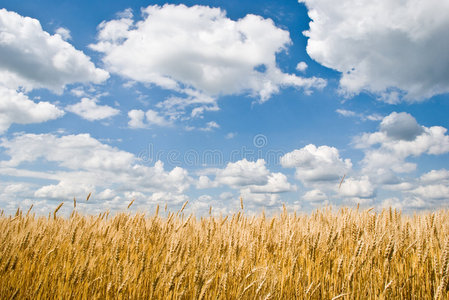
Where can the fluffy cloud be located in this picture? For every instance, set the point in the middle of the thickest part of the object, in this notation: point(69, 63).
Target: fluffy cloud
point(436, 176)
point(140, 119)
point(399, 138)
point(276, 183)
point(396, 49)
point(259, 199)
point(32, 58)
point(254, 181)
point(64, 33)
point(400, 126)
point(72, 151)
point(429, 190)
point(432, 191)
point(301, 66)
point(153, 117)
point(89, 109)
point(315, 165)
point(18, 108)
point(357, 189)
point(315, 196)
point(243, 173)
point(136, 118)
point(83, 164)
point(198, 52)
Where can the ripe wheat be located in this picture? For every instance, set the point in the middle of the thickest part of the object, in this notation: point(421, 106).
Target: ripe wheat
point(341, 254)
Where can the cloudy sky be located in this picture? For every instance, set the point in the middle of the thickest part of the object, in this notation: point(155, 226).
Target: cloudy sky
point(210, 101)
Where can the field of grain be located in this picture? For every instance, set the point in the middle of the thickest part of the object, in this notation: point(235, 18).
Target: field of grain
point(328, 254)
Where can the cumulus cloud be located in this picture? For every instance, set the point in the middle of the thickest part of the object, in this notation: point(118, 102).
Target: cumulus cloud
point(89, 109)
point(140, 119)
point(64, 33)
point(393, 202)
point(136, 118)
point(243, 173)
point(205, 182)
point(400, 137)
point(153, 117)
point(315, 165)
point(315, 196)
point(276, 183)
point(15, 107)
point(83, 164)
point(432, 191)
point(259, 199)
point(436, 176)
point(301, 66)
point(357, 188)
point(400, 126)
point(199, 53)
point(254, 181)
point(32, 58)
point(395, 49)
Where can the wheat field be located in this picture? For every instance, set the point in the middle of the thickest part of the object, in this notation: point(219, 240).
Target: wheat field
point(328, 254)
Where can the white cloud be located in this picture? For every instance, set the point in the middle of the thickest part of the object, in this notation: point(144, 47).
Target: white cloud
point(432, 191)
point(205, 182)
point(63, 190)
point(301, 66)
point(136, 118)
point(140, 119)
point(199, 53)
point(429, 190)
point(393, 202)
point(254, 181)
point(71, 151)
point(276, 183)
point(357, 188)
point(396, 49)
point(153, 117)
point(210, 126)
point(64, 33)
point(346, 113)
point(197, 102)
point(89, 109)
point(435, 176)
point(226, 196)
point(315, 195)
point(15, 107)
point(400, 137)
point(361, 116)
point(243, 173)
point(315, 165)
point(259, 199)
point(32, 58)
point(83, 164)
point(106, 194)
point(400, 126)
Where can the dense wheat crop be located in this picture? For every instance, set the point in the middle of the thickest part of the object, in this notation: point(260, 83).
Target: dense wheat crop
point(328, 254)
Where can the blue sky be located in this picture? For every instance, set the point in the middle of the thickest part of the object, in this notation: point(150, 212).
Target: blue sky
point(210, 101)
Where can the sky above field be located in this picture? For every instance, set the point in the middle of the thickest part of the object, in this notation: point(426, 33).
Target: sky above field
point(279, 102)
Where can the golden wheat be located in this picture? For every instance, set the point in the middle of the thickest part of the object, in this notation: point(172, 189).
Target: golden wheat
point(342, 254)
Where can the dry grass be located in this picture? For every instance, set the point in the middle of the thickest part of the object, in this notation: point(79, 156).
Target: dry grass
point(344, 254)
